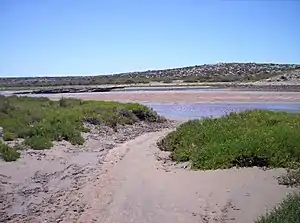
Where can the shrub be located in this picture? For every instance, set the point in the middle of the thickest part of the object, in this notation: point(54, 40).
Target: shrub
point(40, 121)
point(240, 139)
point(288, 211)
point(129, 116)
point(7, 153)
point(145, 115)
point(74, 138)
point(38, 142)
point(8, 136)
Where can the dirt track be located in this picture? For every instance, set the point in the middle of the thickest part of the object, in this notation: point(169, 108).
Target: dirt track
point(136, 187)
point(54, 185)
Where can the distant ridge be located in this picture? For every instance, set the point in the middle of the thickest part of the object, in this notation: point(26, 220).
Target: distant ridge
point(228, 72)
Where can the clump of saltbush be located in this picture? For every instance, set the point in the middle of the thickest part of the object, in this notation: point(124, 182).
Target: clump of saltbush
point(41, 121)
point(250, 138)
point(38, 142)
point(8, 153)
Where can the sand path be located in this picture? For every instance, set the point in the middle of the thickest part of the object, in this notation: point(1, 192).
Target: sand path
point(136, 187)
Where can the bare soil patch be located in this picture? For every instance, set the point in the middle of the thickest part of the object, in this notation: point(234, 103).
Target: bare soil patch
point(54, 185)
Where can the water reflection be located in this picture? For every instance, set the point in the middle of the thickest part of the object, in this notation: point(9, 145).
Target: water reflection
point(187, 111)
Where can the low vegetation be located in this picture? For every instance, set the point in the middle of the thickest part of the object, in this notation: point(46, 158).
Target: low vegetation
point(250, 138)
point(288, 211)
point(41, 121)
point(7, 153)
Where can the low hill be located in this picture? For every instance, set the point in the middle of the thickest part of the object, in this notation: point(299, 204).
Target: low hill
point(228, 72)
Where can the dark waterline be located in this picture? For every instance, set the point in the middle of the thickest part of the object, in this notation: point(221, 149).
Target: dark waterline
point(186, 111)
point(172, 88)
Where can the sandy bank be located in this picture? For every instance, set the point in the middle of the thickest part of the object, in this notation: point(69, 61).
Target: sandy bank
point(54, 185)
point(136, 187)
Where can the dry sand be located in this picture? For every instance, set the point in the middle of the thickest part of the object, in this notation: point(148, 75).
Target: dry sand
point(188, 96)
point(53, 185)
point(133, 182)
point(138, 188)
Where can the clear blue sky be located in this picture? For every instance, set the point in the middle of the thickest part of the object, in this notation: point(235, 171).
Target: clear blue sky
point(87, 37)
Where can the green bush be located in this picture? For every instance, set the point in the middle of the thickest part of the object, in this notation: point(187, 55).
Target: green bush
point(239, 139)
point(74, 138)
point(7, 153)
point(288, 211)
point(38, 142)
point(40, 121)
point(8, 136)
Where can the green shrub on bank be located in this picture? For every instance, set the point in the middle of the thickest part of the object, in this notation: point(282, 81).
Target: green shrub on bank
point(40, 121)
point(9, 136)
point(288, 211)
point(38, 142)
point(7, 153)
point(249, 138)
